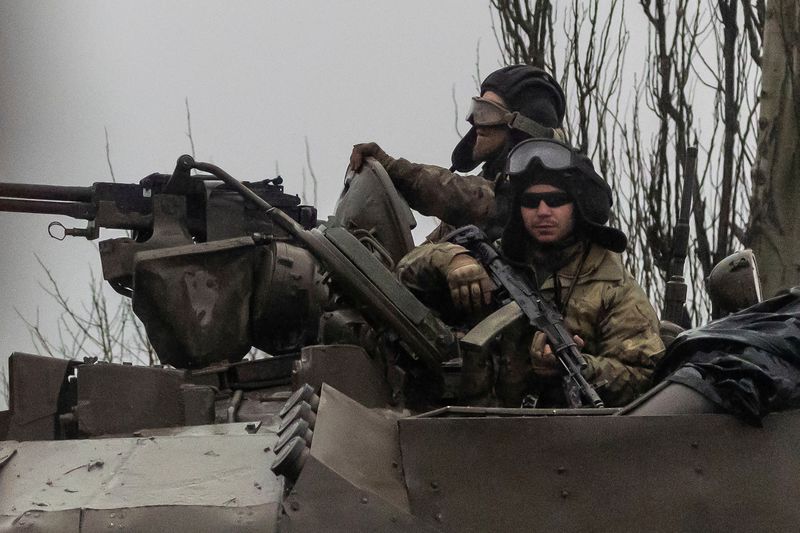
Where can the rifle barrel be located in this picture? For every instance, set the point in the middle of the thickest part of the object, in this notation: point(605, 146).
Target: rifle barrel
point(62, 193)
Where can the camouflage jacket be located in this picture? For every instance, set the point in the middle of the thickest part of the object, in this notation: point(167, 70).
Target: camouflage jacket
point(607, 309)
point(455, 199)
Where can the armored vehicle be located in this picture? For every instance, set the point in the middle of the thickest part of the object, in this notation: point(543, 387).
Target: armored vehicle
point(352, 421)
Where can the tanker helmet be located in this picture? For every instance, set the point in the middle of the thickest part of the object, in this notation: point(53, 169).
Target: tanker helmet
point(534, 107)
point(555, 163)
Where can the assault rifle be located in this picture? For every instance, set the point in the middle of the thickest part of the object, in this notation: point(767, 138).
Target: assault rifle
point(540, 314)
point(675, 294)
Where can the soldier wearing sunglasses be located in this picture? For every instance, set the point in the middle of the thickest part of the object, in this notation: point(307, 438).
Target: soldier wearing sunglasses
point(556, 234)
point(516, 103)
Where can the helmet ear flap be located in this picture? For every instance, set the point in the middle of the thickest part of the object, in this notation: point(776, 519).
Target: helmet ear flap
point(461, 159)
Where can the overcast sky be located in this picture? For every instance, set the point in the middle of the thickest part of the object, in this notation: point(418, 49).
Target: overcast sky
point(260, 78)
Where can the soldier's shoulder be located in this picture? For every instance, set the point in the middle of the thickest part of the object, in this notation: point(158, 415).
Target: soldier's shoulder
point(605, 265)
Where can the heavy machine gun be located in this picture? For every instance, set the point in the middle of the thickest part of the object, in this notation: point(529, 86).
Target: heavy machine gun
point(161, 210)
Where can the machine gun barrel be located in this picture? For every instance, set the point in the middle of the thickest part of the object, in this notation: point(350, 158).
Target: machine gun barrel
point(62, 193)
point(81, 210)
point(68, 201)
point(123, 206)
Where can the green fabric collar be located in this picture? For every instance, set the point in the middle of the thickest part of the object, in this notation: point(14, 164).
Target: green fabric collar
point(600, 265)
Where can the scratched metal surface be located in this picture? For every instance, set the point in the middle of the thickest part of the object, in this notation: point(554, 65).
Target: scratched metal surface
point(670, 473)
point(161, 483)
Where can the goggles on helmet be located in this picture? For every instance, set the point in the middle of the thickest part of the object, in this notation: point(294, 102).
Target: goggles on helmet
point(550, 154)
point(483, 112)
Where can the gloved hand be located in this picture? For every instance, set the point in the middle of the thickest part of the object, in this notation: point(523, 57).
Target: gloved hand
point(470, 286)
point(364, 150)
point(543, 360)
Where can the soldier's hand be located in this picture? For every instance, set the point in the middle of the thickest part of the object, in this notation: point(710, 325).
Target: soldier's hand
point(364, 150)
point(578, 342)
point(470, 286)
point(543, 360)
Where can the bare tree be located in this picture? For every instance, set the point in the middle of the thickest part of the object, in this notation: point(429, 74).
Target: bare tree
point(311, 174)
point(774, 229)
point(189, 134)
point(525, 31)
point(98, 328)
point(4, 392)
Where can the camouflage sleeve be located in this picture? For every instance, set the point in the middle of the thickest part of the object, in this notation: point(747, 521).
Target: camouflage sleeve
point(627, 346)
point(435, 191)
point(422, 269)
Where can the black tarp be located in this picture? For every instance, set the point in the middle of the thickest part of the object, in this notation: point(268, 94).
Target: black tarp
point(748, 362)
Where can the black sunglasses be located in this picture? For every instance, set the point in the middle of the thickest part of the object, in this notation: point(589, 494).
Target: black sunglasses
point(532, 200)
